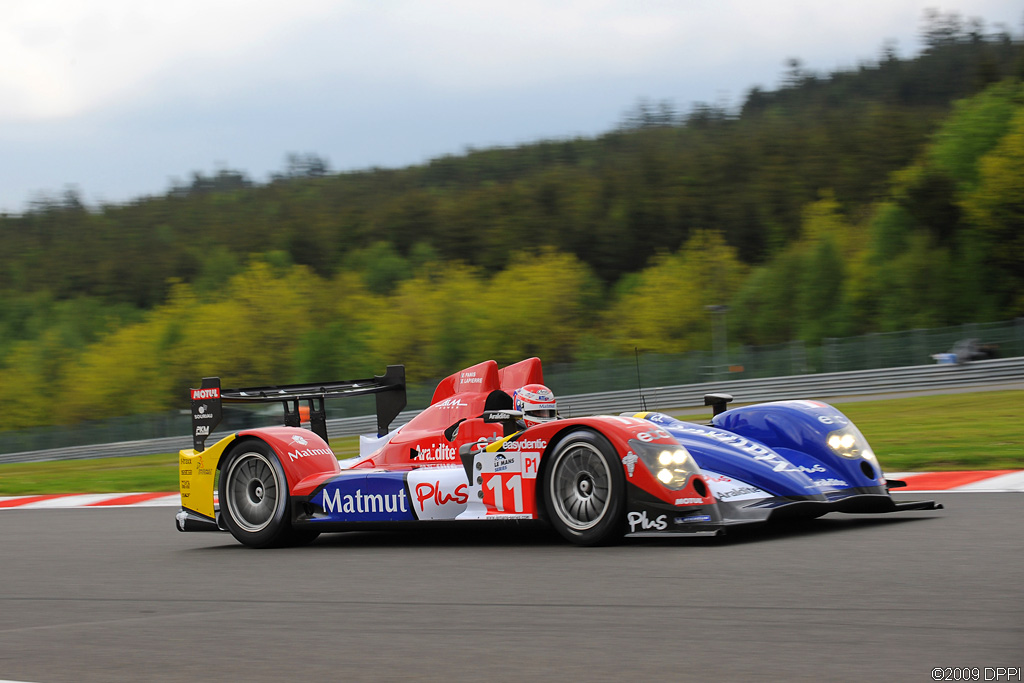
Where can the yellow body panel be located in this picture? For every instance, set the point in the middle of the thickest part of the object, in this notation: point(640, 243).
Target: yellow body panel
point(500, 443)
point(197, 475)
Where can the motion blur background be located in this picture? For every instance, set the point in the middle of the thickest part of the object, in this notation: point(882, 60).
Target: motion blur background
point(462, 181)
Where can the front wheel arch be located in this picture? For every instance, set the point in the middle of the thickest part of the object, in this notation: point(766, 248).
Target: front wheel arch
point(581, 464)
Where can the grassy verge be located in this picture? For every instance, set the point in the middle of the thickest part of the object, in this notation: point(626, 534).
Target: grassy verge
point(982, 430)
point(976, 431)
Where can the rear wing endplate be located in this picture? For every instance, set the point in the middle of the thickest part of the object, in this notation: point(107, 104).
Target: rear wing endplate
point(389, 389)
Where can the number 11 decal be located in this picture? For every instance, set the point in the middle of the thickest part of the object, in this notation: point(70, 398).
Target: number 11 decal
point(514, 484)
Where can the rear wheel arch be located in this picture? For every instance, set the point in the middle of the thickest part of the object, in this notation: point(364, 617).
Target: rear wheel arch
point(255, 501)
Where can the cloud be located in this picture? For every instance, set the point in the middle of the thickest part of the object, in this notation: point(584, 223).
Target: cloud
point(119, 95)
point(71, 57)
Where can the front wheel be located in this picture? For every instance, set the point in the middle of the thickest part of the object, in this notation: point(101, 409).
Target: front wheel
point(584, 490)
point(254, 497)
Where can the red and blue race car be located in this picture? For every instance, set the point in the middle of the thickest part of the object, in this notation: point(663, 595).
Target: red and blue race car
point(471, 457)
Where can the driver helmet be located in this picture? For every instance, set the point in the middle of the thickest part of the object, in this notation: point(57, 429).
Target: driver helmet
point(537, 403)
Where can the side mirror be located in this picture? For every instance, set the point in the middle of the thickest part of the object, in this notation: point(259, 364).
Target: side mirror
point(718, 403)
point(453, 430)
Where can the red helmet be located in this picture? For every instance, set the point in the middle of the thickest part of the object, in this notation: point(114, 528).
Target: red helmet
point(537, 403)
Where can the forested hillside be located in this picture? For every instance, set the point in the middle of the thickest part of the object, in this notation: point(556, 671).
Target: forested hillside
point(881, 198)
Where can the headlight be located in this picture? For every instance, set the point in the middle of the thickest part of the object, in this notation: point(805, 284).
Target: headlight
point(848, 442)
point(671, 464)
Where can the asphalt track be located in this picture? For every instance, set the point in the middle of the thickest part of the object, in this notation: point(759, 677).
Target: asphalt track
point(119, 595)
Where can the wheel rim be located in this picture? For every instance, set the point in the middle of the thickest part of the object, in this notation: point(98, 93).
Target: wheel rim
point(252, 491)
point(580, 486)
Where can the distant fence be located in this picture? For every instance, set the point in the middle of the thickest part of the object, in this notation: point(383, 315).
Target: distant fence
point(864, 352)
point(899, 380)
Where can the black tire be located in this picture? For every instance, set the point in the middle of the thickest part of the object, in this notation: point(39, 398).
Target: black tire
point(253, 494)
point(584, 490)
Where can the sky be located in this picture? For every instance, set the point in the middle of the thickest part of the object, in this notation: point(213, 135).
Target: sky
point(120, 99)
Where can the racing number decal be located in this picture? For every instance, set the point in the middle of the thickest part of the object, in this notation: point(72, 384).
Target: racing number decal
point(512, 490)
point(494, 495)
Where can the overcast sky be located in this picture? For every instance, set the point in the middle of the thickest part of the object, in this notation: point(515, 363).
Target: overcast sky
point(118, 98)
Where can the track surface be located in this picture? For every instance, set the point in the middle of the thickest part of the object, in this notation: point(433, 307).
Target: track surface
point(118, 594)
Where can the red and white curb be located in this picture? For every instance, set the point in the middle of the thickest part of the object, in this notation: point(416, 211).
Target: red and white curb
point(990, 481)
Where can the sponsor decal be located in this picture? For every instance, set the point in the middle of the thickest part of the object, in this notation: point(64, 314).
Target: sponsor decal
point(452, 403)
point(202, 414)
point(778, 463)
point(438, 492)
point(198, 462)
point(726, 488)
point(503, 462)
point(308, 453)
point(738, 492)
point(202, 408)
point(689, 519)
point(689, 501)
point(435, 493)
point(203, 394)
point(439, 452)
point(833, 420)
point(639, 519)
point(203, 430)
point(653, 434)
point(470, 378)
point(817, 468)
point(525, 445)
point(380, 498)
point(831, 482)
point(728, 438)
point(186, 473)
point(299, 440)
point(499, 417)
point(630, 460)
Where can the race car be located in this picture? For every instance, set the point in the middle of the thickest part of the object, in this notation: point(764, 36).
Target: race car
point(471, 458)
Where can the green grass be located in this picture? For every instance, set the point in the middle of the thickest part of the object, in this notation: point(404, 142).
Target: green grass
point(975, 431)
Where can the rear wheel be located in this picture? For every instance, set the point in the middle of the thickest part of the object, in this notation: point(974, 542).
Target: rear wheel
point(584, 489)
point(254, 498)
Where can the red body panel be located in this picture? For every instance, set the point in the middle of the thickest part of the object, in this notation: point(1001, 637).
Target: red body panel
point(305, 457)
point(481, 378)
point(520, 374)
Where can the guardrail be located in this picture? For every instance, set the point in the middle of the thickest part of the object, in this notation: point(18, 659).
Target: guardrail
point(826, 385)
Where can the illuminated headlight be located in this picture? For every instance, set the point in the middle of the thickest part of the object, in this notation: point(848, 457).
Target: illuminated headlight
point(670, 464)
point(848, 442)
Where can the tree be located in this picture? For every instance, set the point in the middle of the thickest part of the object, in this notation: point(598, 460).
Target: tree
point(996, 207)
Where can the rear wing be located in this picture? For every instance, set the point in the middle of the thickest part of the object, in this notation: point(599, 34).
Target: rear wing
point(389, 389)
